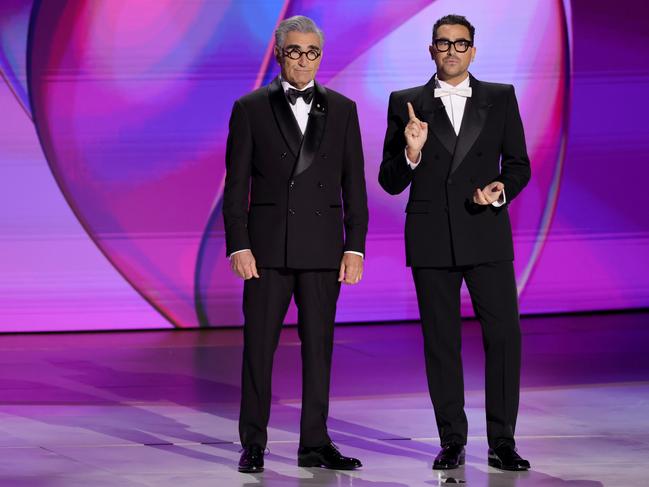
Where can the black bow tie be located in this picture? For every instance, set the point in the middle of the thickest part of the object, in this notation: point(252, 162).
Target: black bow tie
point(293, 94)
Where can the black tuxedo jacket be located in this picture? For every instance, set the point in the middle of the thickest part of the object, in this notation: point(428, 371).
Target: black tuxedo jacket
point(443, 226)
point(295, 201)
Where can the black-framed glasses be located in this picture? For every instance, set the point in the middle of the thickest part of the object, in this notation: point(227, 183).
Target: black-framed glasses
point(460, 45)
point(296, 54)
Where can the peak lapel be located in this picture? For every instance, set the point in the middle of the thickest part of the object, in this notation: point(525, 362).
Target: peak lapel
point(432, 110)
point(284, 116)
point(473, 120)
point(314, 130)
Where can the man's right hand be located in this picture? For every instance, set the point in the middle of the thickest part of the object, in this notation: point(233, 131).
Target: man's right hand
point(244, 265)
point(416, 133)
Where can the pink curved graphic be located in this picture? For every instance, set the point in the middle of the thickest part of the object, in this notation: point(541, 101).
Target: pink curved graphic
point(129, 98)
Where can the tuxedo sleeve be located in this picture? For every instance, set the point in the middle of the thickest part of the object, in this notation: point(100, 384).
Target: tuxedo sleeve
point(515, 169)
point(236, 193)
point(395, 173)
point(354, 193)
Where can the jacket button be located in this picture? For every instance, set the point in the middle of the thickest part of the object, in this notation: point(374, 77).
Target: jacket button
point(320, 185)
point(479, 154)
point(318, 212)
point(446, 209)
point(283, 155)
point(449, 182)
point(291, 211)
point(323, 155)
point(291, 183)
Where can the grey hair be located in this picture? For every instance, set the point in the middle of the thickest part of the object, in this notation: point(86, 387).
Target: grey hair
point(298, 23)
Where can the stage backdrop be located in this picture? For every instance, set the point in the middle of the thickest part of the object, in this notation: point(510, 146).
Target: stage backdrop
point(114, 116)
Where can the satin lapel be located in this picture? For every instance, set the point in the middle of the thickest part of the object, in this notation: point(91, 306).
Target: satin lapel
point(432, 110)
point(473, 120)
point(284, 117)
point(314, 130)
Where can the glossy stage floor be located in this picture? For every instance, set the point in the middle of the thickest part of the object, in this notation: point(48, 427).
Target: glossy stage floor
point(160, 408)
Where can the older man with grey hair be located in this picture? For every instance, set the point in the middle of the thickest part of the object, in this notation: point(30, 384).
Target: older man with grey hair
point(295, 212)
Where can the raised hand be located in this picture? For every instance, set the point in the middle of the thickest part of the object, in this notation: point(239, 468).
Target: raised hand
point(489, 194)
point(416, 133)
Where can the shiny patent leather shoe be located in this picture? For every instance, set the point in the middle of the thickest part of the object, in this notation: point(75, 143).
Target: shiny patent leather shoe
point(252, 459)
point(326, 456)
point(450, 456)
point(506, 457)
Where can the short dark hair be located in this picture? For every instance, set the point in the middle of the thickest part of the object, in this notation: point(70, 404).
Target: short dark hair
point(454, 20)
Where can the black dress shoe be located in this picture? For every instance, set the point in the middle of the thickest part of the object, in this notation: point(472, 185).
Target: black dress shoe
point(505, 457)
point(450, 456)
point(252, 459)
point(326, 456)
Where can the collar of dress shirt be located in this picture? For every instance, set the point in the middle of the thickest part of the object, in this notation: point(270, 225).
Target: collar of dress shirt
point(443, 84)
point(286, 85)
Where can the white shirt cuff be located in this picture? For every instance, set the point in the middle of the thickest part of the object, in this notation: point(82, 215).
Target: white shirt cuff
point(346, 252)
point(500, 201)
point(236, 252)
point(412, 165)
point(355, 253)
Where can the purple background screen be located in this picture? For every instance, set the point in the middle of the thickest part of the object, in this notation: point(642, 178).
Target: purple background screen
point(113, 120)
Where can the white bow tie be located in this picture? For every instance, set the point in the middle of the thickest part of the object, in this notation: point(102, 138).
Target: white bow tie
point(465, 92)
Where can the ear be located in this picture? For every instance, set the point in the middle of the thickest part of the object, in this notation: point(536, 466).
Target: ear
point(473, 51)
point(431, 50)
point(277, 53)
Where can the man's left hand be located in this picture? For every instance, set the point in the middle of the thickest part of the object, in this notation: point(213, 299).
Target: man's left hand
point(351, 269)
point(489, 194)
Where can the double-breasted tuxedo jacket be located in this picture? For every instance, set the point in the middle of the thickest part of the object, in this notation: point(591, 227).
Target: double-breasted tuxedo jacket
point(449, 239)
point(444, 227)
point(296, 202)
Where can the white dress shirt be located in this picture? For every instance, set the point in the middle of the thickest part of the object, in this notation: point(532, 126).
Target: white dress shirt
point(454, 105)
point(301, 108)
point(301, 111)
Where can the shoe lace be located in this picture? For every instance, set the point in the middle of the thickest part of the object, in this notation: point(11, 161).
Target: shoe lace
point(336, 449)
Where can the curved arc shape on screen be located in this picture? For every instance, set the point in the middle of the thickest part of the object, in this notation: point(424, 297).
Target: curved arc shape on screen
point(555, 186)
point(206, 262)
point(84, 224)
point(146, 208)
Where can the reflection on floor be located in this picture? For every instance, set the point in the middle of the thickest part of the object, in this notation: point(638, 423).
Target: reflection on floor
point(160, 408)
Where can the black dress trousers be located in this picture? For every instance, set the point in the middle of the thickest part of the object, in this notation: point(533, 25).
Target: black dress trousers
point(492, 287)
point(265, 303)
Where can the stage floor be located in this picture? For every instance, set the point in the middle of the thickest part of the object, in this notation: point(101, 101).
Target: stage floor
point(160, 408)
